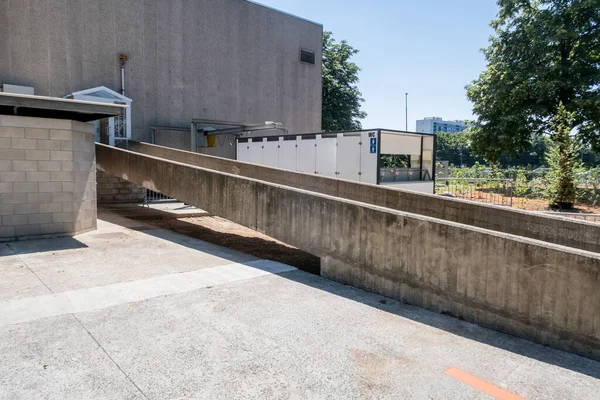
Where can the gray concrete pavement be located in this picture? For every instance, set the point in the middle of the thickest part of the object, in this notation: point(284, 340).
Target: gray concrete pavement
point(185, 319)
point(174, 208)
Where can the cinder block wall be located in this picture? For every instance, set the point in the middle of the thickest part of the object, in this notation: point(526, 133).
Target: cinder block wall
point(111, 189)
point(47, 177)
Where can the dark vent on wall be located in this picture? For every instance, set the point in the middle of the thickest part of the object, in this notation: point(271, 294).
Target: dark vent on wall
point(307, 56)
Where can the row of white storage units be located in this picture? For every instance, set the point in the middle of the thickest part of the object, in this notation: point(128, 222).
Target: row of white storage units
point(355, 156)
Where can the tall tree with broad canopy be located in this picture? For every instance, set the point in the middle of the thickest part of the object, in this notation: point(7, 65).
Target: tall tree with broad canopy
point(544, 53)
point(341, 97)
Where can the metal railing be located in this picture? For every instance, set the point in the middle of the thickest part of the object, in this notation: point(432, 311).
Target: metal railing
point(152, 197)
point(485, 190)
point(387, 175)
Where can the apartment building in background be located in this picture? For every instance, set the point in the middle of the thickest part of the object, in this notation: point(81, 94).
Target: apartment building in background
point(436, 125)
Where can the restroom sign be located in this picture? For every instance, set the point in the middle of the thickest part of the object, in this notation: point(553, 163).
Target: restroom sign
point(373, 145)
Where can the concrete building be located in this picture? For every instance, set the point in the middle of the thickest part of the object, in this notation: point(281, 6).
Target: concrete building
point(203, 60)
point(436, 124)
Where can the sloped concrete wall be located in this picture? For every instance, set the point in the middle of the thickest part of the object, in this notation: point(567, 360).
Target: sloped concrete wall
point(535, 290)
point(567, 232)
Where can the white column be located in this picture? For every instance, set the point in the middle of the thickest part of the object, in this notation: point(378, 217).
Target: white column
point(111, 131)
point(128, 121)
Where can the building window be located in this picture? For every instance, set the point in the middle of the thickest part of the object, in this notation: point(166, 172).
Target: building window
point(307, 56)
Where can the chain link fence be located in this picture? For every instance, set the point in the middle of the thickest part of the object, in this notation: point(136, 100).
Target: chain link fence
point(485, 190)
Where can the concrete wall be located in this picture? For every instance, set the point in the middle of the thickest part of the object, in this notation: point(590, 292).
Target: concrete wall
point(224, 147)
point(528, 288)
point(110, 189)
point(225, 144)
point(175, 139)
point(228, 59)
point(47, 177)
point(578, 234)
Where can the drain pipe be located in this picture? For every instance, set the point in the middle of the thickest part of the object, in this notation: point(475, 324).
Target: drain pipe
point(123, 58)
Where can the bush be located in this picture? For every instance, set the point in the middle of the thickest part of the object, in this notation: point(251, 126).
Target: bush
point(563, 160)
point(589, 191)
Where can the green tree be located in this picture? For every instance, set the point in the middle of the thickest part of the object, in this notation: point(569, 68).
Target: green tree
point(394, 161)
point(544, 52)
point(534, 157)
point(456, 148)
point(453, 147)
point(563, 160)
point(341, 97)
point(590, 158)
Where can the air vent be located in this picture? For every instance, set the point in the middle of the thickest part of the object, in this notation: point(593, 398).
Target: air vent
point(307, 56)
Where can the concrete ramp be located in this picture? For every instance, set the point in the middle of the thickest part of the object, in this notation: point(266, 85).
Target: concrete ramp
point(567, 232)
point(529, 288)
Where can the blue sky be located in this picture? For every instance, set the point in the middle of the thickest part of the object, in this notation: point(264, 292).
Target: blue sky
point(428, 48)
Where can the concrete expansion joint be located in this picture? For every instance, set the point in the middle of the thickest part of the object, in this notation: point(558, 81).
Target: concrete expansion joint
point(109, 356)
point(80, 323)
point(27, 266)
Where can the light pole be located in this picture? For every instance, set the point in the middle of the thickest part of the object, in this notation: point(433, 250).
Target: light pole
point(406, 110)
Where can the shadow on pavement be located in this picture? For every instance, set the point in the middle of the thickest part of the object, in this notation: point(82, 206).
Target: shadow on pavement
point(254, 246)
point(275, 251)
point(42, 245)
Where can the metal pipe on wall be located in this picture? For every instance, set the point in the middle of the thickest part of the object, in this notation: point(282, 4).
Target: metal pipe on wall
point(123, 59)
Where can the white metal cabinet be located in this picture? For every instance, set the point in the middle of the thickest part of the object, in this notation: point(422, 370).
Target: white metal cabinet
point(307, 156)
point(288, 154)
point(243, 151)
point(271, 153)
point(326, 155)
point(256, 151)
point(348, 156)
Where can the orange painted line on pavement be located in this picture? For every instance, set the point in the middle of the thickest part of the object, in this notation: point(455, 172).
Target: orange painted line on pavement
point(481, 385)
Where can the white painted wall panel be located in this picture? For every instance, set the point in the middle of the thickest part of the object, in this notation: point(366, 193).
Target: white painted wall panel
point(326, 156)
point(400, 144)
point(256, 152)
point(368, 158)
point(428, 143)
point(348, 157)
point(243, 151)
point(288, 155)
point(271, 154)
point(307, 156)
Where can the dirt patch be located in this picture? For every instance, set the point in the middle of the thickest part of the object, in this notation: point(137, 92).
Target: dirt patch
point(542, 205)
point(375, 371)
point(228, 234)
point(523, 203)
